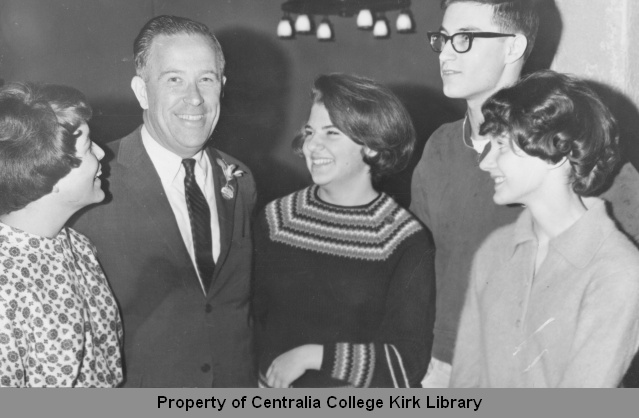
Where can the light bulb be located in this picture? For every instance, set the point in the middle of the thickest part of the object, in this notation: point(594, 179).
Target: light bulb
point(285, 28)
point(365, 19)
point(380, 30)
point(324, 30)
point(404, 22)
point(302, 24)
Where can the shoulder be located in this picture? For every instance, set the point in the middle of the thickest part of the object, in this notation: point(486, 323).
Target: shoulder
point(445, 132)
point(614, 272)
point(124, 143)
point(400, 229)
point(438, 144)
point(617, 254)
point(272, 213)
point(77, 236)
point(288, 199)
point(407, 224)
point(624, 199)
point(271, 217)
point(80, 239)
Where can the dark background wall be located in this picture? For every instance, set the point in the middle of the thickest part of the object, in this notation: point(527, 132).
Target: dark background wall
point(88, 44)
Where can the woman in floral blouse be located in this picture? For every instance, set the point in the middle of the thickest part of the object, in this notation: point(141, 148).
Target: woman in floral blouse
point(59, 323)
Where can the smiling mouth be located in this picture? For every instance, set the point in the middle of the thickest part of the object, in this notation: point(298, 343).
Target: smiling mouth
point(99, 173)
point(321, 161)
point(191, 117)
point(498, 180)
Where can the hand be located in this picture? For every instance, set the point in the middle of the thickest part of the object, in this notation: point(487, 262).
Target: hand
point(288, 367)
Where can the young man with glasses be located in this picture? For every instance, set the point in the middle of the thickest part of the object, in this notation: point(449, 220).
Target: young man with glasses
point(482, 46)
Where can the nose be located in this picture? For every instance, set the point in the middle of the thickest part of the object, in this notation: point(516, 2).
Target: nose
point(314, 142)
point(192, 95)
point(98, 152)
point(448, 52)
point(487, 158)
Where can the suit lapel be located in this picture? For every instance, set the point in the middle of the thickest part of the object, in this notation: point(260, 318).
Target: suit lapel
point(225, 210)
point(150, 198)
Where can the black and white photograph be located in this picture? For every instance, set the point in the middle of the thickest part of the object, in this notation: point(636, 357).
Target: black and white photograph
point(333, 194)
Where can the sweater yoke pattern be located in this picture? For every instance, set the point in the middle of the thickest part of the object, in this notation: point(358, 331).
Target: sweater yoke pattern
point(370, 232)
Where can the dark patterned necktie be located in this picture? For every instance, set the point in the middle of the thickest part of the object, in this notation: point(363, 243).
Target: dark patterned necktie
point(200, 217)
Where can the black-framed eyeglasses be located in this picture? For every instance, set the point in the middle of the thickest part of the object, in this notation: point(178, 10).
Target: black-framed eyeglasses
point(461, 41)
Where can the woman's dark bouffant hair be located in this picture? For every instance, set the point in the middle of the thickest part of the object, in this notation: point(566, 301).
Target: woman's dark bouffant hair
point(369, 114)
point(552, 116)
point(38, 125)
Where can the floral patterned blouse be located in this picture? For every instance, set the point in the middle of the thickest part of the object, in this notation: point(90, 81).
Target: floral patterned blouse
point(59, 323)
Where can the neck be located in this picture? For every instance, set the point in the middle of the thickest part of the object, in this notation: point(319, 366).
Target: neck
point(37, 219)
point(553, 216)
point(346, 196)
point(475, 117)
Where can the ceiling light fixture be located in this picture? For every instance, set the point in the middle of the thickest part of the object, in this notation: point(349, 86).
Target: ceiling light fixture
point(370, 15)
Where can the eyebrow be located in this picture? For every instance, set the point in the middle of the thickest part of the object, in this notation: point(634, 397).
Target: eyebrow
point(465, 29)
point(174, 71)
point(321, 127)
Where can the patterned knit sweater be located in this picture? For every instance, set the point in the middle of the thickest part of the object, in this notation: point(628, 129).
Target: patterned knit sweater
point(358, 280)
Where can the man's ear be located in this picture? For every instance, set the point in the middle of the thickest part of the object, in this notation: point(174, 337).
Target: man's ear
point(139, 88)
point(517, 48)
point(223, 85)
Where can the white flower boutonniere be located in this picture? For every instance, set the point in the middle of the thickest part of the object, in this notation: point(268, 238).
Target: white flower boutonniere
point(230, 172)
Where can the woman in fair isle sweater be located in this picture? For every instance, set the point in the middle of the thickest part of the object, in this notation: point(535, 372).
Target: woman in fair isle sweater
point(344, 283)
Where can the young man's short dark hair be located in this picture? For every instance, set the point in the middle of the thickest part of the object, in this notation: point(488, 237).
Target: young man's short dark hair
point(512, 16)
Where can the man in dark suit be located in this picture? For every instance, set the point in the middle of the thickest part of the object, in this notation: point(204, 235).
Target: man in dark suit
point(175, 239)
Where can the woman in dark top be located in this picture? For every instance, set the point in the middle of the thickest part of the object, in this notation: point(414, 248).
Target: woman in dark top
point(344, 284)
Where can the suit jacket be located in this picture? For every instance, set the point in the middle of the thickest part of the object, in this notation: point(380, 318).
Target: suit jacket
point(174, 336)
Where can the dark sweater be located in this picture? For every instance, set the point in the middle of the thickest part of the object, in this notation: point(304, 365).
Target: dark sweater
point(358, 280)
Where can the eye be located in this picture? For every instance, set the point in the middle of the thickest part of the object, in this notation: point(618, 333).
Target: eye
point(307, 133)
point(174, 80)
point(333, 132)
point(208, 80)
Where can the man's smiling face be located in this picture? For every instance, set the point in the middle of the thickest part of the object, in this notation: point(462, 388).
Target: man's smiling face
point(181, 92)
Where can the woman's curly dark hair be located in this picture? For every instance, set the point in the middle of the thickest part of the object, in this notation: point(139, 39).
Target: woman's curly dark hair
point(554, 116)
point(38, 124)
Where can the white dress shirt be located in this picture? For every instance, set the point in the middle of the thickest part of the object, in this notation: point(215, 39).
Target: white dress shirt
point(171, 171)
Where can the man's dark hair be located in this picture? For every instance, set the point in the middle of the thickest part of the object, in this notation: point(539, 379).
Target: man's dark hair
point(170, 26)
point(512, 16)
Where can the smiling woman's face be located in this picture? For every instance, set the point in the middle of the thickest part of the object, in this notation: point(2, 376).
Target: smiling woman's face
point(518, 177)
point(334, 160)
point(82, 186)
